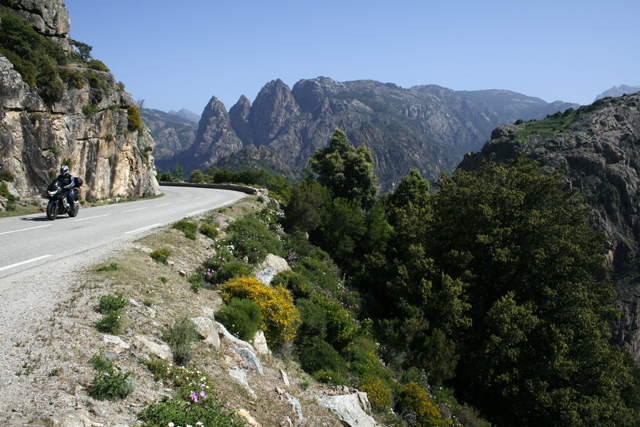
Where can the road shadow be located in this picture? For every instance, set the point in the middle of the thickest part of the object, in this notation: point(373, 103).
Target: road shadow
point(38, 218)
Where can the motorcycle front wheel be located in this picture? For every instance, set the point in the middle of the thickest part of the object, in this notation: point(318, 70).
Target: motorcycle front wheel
point(52, 211)
point(73, 209)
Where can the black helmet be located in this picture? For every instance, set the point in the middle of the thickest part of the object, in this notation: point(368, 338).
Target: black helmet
point(64, 170)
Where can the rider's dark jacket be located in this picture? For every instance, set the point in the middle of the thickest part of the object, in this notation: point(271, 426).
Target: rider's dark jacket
point(67, 183)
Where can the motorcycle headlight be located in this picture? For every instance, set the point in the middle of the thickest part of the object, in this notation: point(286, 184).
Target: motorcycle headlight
point(51, 193)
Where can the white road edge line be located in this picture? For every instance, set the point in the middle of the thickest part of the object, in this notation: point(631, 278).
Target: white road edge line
point(157, 206)
point(133, 210)
point(25, 262)
point(196, 212)
point(144, 228)
point(25, 229)
point(91, 217)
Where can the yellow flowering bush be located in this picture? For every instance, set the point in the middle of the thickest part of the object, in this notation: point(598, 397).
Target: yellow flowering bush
point(280, 318)
point(378, 392)
point(414, 398)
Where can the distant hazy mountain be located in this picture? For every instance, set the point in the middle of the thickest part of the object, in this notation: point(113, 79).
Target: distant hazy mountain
point(172, 133)
point(618, 91)
point(186, 114)
point(428, 128)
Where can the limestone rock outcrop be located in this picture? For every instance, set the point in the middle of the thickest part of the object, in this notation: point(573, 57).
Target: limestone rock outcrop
point(87, 128)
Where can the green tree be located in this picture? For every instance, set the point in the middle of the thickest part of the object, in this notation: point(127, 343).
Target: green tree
point(345, 171)
point(196, 176)
point(178, 172)
point(304, 210)
point(504, 264)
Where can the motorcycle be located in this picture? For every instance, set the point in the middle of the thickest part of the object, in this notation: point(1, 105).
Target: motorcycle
point(58, 200)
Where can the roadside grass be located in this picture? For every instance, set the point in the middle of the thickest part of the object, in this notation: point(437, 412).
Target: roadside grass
point(21, 210)
point(158, 295)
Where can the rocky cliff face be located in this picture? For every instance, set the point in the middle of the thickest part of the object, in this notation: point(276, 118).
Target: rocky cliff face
point(87, 128)
point(215, 138)
point(428, 128)
point(599, 151)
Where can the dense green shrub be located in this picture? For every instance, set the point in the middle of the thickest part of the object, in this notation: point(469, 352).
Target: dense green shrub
point(96, 81)
point(318, 355)
point(222, 267)
point(109, 383)
point(160, 255)
point(241, 317)
point(4, 192)
point(314, 321)
point(90, 109)
point(111, 267)
point(299, 286)
point(109, 303)
point(158, 367)
point(209, 230)
point(280, 318)
point(278, 185)
point(6, 176)
point(251, 238)
point(97, 65)
point(196, 176)
point(134, 119)
point(110, 323)
point(31, 54)
point(73, 78)
point(194, 404)
point(414, 399)
point(180, 336)
point(341, 327)
point(187, 227)
point(165, 177)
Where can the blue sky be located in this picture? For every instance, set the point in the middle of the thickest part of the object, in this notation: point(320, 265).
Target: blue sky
point(179, 54)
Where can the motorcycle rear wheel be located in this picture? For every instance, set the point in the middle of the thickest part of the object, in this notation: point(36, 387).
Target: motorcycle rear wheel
point(73, 209)
point(52, 211)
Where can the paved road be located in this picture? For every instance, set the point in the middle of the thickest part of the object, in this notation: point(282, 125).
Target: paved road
point(32, 240)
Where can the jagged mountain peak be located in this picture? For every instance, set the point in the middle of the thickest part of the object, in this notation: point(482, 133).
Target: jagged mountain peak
point(428, 128)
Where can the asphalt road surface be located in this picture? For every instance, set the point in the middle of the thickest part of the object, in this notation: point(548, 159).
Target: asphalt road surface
point(31, 241)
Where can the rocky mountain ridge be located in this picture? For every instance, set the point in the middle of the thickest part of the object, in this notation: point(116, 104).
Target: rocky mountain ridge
point(186, 114)
point(428, 128)
point(618, 91)
point(86, 127)
point(172, 133)
point(598, 148)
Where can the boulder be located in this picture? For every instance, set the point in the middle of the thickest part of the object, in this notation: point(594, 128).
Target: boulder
point(285, 378)
point(118, 345)
point(248, 418)
point(350, 408)
point(207, 329)
point(227, 336)
point(295, 405)
point(73, 418)
point(260, 343)
point(241, 377)
point(271, 266)
point(250, 359)
point(161, 350)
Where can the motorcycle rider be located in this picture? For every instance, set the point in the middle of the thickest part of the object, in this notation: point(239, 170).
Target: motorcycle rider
point(67, 183)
